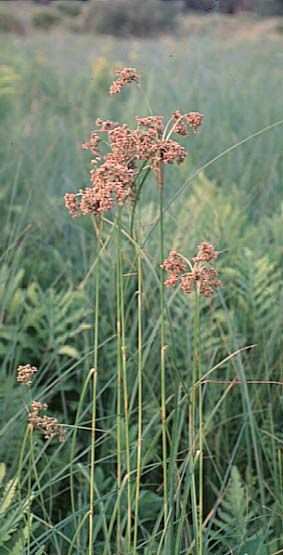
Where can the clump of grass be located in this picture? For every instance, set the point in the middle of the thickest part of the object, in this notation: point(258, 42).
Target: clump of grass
point(117, 180)
point(45, 19)
point(69, 8)
point(11, 23)
point(129, 17)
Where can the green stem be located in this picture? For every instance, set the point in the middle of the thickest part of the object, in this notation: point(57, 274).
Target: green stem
point(119, 380)
point(197, 366)
point(72, 455)
point(21, 459)
point(29, 489)
point(160, 178)
point(94, 385)
point(77, 533)
point(139, 361)
point(125, 391)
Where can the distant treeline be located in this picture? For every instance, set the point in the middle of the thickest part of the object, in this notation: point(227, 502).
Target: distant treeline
point(262, 7)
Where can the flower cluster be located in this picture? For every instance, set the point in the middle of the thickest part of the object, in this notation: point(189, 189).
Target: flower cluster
point(130, 152)
point(201, 273)
point(182, 123)
point(25, 374)
point(47, 424)
point(125, 76)
point(175, 266)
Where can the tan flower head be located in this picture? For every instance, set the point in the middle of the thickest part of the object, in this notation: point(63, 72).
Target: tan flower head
point(201, 275)
point(175, 266)
point(113, 180)
point(25, 374)
point(206, 252)
point(194, 120)
point(47, 424)
point(152, 122)
point(106, 125)
point(182, 123)
point(125, 76)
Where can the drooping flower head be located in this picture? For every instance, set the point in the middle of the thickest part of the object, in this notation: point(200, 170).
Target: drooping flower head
point(183, 123)
point(124, 77)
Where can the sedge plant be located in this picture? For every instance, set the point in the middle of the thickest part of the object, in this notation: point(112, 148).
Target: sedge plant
point(122, 160)
point(123, 157)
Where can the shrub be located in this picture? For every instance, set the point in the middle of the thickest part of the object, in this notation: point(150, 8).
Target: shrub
point(129, 17)
point(69, 8)
point(45, 19)
point(270, 7)
point(11, 23)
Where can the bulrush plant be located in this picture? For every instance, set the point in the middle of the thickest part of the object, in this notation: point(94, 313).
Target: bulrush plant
point(196, 276)
point(122, 160)
point(48, 427)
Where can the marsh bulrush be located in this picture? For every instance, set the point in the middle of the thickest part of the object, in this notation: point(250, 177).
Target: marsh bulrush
point(123, 157)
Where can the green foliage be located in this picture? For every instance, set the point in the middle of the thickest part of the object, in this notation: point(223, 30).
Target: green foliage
point(14, 518)
point(8, 80)
point(10, 22)
point(40, 325)
point(69, 7)
point(45, 19)
point(235, 521)
point(129, 17)
point(233, 515)
point(55, 320)
point(270, 7)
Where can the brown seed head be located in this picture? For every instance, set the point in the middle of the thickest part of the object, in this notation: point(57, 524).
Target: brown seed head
point(206, 252)
point(125, 76)
point(202, 274)
point(175, 266)
point(25, 374)
point(194, 120)
point(47, 424)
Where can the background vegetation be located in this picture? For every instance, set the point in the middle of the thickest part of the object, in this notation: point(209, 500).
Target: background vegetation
point(51, 91)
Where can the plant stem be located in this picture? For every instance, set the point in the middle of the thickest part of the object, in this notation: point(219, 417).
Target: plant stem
point(197, 366)
point(119, 380)
point(139, 361)
point(72, 454)
point(125, 390)
point(29, 489)
point(160, 179)
point(94, 384)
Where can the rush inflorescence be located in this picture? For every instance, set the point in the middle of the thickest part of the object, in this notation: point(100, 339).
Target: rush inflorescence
point(129, 152)
point(200, 273)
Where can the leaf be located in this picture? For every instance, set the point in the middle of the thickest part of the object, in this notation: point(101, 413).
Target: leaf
point(254, 547)
point(8, 496)
point(150, 505)
point(69, 351)
point(2, 472)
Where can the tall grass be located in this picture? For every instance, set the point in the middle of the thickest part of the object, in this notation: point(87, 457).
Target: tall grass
point(47, 296)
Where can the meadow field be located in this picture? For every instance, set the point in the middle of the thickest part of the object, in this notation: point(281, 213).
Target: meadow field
point(160, 479)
